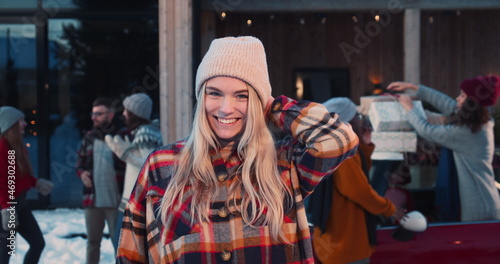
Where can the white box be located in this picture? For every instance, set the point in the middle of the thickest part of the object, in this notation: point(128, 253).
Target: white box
point(366, 101)
point(391, 116)
point(395, 141)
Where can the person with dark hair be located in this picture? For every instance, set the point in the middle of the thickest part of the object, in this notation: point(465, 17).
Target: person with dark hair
point(102, 175)
point(15, 180)
point(344, 208)
point(468, 133)
point(146, 137)
point(230, 192)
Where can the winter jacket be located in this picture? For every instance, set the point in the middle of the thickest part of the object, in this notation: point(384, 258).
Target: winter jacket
point(472, 152)
point(107, 171)
point(345, 238)
point(146, 138)
point(22, 182)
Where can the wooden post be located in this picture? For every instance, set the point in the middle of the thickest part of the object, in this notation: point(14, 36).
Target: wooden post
point(412, 46)
point(176, 85)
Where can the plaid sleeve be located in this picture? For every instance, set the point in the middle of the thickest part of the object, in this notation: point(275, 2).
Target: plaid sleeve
point(321, 142)
point(133, 235)
point(84, 162)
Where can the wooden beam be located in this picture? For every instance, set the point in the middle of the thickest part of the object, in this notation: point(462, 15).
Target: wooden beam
point(341, 5)
point(412, 46)
point(176, 85)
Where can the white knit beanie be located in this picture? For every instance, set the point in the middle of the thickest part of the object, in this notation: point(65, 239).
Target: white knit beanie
point(9, 116)
point(343, 107)
point(243, 58)
point(140, 104)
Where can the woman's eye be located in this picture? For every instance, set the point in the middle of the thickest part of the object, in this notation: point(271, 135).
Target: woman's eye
point(214, 93)
point(242, 96)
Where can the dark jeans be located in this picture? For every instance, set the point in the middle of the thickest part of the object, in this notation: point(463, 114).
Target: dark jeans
point(28, 228)
point(380, 173)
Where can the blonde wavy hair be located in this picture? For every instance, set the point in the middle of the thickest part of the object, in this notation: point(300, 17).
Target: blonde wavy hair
point(260, 183)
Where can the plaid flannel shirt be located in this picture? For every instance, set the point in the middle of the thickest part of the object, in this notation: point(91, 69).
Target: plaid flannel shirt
point(319, 143)
point(85, 162)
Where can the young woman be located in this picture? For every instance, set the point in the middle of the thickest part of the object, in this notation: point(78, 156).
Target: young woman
point(469, 134)
point(15, 180)
point(230, 192)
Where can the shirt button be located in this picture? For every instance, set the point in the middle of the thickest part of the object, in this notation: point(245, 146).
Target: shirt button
point(225, 255)
point(223, 212)
point(222, 177)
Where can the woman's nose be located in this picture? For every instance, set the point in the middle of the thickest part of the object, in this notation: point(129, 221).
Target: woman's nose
point(227, 106)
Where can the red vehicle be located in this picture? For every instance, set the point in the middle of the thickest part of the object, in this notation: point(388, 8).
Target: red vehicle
point(461, 242)
point(441, 242)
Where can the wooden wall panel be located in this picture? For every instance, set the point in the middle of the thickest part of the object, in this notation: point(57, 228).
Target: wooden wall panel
point(457, 46)
point(454, 46)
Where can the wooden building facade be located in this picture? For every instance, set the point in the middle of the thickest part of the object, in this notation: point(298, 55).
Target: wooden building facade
point(454, 45)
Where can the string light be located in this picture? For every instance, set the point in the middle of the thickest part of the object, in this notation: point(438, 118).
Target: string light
point(302, 21)
point(249, 22)
point(223, 16)
point(377, 18)
point(355, 19)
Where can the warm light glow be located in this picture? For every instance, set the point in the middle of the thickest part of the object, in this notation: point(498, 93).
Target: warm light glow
point(457, 242)
point(35, 133)
point(249, 22)
point(34, 112)
point(223, 15)
point(377, 91)
point(32, 122)
point(28, 145)
point(355, 19)
point(299, 84)
point(377, 18)
point(375, 79)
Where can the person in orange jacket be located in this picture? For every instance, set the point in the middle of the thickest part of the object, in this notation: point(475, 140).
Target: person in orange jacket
point(344, 232)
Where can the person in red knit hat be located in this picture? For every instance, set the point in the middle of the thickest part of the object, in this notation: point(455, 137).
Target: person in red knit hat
point(16, 179)
point(468, 133)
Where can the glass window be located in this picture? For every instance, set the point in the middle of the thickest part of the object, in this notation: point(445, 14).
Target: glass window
point(54, 5)
point(90, 58)
point(18, 79)
point(18, 4)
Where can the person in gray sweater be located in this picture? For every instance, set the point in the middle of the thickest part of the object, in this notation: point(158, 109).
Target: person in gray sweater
point(468, 133)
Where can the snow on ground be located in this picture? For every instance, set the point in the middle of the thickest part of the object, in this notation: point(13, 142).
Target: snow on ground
point(63, 230)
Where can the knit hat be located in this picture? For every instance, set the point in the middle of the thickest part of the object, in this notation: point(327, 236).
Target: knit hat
point(243, 58)
point(342, 106)
point(484, 89)
point(140, 104)
point(9, 116)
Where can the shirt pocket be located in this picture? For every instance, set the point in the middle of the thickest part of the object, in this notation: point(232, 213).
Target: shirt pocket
point(185, 249)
